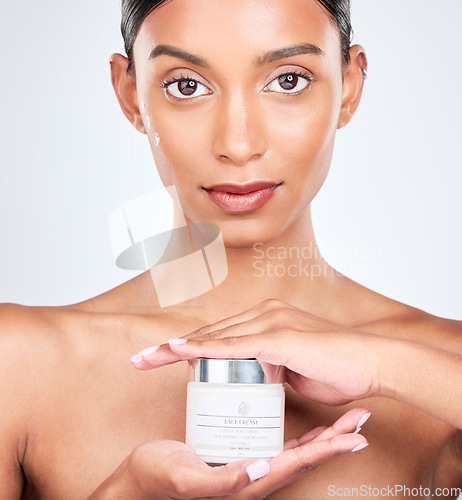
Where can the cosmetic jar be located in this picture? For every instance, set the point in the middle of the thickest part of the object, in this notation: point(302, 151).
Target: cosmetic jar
point(235, 410)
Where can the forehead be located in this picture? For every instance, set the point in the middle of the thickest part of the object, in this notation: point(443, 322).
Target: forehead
point(237, 29)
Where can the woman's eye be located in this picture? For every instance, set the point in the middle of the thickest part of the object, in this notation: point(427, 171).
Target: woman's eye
point(290, 83)
point(185, 88)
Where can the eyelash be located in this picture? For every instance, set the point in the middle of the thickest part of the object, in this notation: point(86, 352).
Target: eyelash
point(166, 83)
point(307, 76)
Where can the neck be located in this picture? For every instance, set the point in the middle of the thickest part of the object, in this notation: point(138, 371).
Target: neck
point(289, 268)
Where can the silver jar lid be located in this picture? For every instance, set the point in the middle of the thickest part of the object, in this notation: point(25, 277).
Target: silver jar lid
point(237, 371)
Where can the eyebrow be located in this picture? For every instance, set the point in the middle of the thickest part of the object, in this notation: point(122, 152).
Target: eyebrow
point(268, 57)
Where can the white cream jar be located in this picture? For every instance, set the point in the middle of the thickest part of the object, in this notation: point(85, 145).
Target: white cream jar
point(235, 410)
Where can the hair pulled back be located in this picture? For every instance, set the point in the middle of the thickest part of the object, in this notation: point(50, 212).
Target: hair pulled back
point(134, 12)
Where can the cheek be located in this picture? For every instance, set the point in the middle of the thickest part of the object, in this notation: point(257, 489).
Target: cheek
point(306, 127)
point(303, 137)
point(176, 144)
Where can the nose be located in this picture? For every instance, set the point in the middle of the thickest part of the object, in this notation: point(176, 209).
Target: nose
point(239, 134)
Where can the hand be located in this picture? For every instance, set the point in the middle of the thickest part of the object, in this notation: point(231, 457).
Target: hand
point(170, 470)
point(326, 362)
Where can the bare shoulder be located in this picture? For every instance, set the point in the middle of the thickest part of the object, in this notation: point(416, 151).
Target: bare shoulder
point(39, 348)
point(34, 335)
point(24, 360)
point(383, 315)
point(420, 325)
point(28, 346)
point(16, 325)
point(441, 332)
point(22, 330)
point(54, 365)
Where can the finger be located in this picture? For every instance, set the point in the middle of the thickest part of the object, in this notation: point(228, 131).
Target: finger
point(266, 347)
point(224, 480)
point(156, 356)
point(351, 421)
point(228, 347)
point(295, 462)
point(153, 357)
point(165, 354)
point(237, 319)
point(219, 325)
point(305, 438)
point(262, 319)
point(146, 360)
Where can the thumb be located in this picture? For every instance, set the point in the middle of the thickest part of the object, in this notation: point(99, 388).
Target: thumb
point(296, 462)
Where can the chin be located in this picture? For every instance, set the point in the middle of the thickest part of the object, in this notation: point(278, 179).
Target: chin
point(239, 234)
point(244, 230)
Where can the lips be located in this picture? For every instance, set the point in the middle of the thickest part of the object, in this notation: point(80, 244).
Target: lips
point(242, 198)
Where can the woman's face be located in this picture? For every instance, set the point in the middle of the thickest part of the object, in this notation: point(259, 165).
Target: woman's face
point(245, 109)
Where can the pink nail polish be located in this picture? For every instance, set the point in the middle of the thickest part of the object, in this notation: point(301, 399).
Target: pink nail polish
point(361, 422)
point(149, 350)
point(363, 419)
point(360, 447)
point(257, 469)
point(177, 341)
point(193, 363)
point(136, 358)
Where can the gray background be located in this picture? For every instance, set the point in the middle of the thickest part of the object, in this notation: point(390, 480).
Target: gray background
point(389, 215)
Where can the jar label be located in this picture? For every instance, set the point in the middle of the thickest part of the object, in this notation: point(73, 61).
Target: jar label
point(238, 426)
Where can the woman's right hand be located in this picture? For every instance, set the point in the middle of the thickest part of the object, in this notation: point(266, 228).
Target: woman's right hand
point(170, 469)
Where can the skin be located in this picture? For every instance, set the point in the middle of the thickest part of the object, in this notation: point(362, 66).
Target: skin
point(77, 418)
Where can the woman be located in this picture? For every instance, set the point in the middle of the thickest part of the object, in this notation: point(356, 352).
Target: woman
point(243, 111)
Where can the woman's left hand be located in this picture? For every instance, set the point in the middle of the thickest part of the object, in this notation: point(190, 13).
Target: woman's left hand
point(325, 361)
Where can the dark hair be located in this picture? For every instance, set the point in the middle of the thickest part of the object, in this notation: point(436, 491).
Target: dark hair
point(134, 12)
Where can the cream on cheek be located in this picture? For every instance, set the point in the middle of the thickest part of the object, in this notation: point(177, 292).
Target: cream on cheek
point(170, 153)
point(147, 121)
point(156, 135)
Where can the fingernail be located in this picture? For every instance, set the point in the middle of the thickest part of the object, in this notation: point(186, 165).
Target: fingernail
point(136, 358)
point(193, 363)
point(357, 430)
point(149, 350)
point(362, 420)
point(177, 341)
point(360, 447)
point(257, 469)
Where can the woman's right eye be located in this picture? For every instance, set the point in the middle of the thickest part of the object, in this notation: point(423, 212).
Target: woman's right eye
point(184, 88)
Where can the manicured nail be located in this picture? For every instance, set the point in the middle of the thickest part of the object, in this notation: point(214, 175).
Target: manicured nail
point(360, 447)
point(149, 350)
point(362, 420)
point(136, 358)
point(193, 363)
point(257, 469)
point(177, 341)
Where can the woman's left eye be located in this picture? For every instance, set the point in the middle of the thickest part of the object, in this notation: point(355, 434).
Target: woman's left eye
point(290, 83)
point(184, 88)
